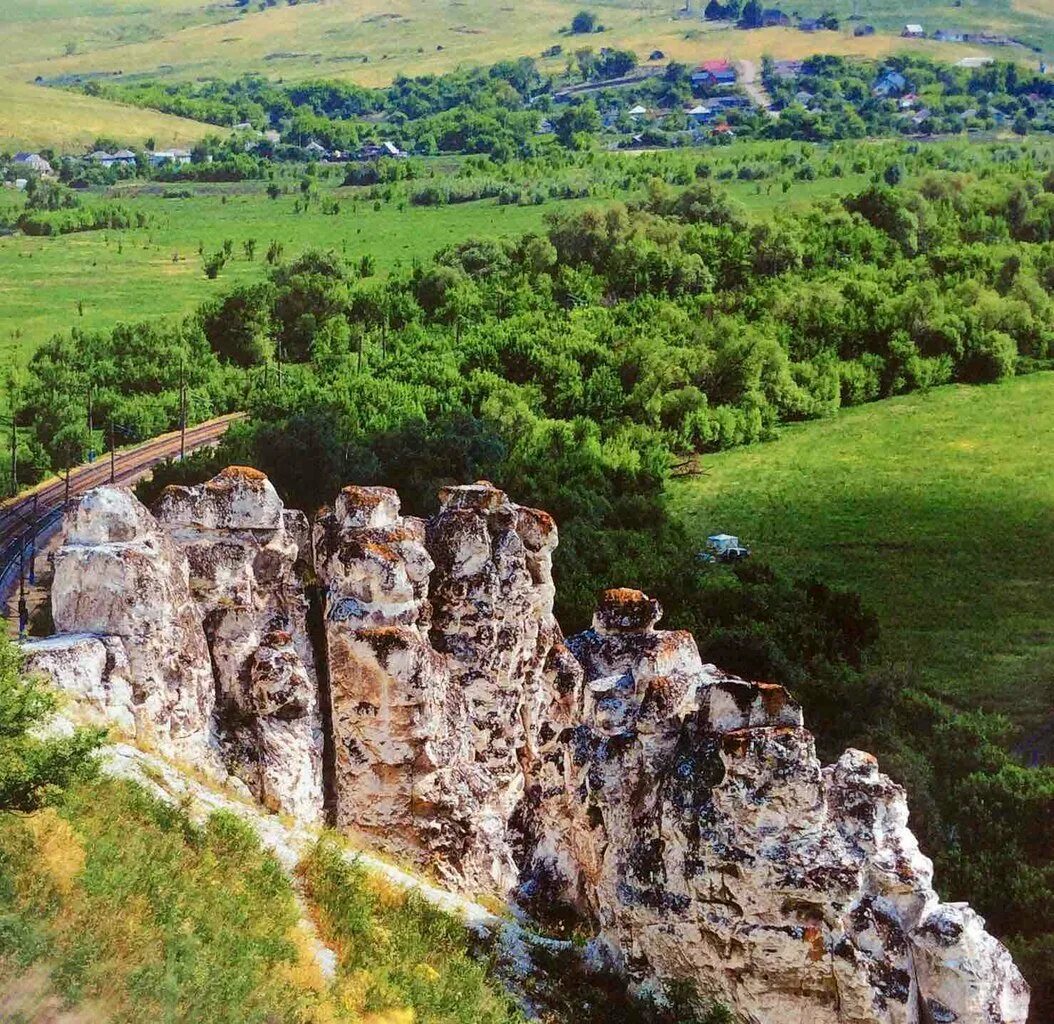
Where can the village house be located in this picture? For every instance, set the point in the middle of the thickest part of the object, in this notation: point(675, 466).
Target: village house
point(732, 102)
point(700, 114)
point(122, 158)
point(889, 83)
point(949, 35)
point(713, 73)
point(316, 149)
point(175, 157)
point(377, 150)
point(913, 32)
point(773, 17)
point(637, 111)
point(784, 69)
point(33, 162)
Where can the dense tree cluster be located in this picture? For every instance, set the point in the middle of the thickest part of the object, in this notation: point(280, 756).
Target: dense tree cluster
point(834, 97)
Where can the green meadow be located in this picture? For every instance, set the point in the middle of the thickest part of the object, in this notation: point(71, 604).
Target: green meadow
point(95, 279)
point(937, 508)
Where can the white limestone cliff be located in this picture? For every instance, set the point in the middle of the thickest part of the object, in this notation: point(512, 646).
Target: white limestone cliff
point(242, 548)
point(121, 580)
point(188, 631)
point(697, 827)
point(437, 638)
point(680, 811)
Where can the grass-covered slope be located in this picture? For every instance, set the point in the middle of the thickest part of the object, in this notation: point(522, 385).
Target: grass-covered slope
point(938, 508)
point(32, 117)
point(117, 908)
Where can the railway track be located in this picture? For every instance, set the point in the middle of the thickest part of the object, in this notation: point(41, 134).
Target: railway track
point(29, 519)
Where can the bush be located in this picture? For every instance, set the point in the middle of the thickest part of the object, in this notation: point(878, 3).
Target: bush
point(583, 22)
point(35, 771)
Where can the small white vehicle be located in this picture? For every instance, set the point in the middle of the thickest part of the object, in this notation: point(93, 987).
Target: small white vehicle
point(723, 547)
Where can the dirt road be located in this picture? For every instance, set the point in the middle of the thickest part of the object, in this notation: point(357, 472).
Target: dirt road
point(748, 78)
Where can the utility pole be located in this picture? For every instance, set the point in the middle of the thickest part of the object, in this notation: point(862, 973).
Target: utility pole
point(66, 500)
point(14, 457)
point(182, 412)
point(91, 425)
point(33, 544)
point(23, 607)
point(113, 452)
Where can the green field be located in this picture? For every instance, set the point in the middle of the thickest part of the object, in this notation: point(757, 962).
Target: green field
point(938, 508)
point(157, 272)
point(372, 41)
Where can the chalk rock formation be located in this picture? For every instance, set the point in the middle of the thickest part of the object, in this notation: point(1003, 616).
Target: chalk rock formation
point(682, 811)
point(189, 631)
point(119, 577)
point(697, 827)
point(434, 693)
point(242, 550)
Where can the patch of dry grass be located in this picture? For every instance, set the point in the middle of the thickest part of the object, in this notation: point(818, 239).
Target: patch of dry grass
point(34, 117)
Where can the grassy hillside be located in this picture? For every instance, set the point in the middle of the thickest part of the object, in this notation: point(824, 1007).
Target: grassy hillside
point(119, 908)
point(32, 117)
point(936, 508)
point(371, 41)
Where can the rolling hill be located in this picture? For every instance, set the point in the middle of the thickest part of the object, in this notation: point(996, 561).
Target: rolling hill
point(372, 41)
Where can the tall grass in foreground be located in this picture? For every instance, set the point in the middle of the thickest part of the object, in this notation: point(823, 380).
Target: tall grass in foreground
point(125, 903)
point(400, 958)
point(115, 908)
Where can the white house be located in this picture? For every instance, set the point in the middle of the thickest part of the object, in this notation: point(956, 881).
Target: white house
point(913, 32)
point(169, 156)
point(637, 111)
point(122, 158)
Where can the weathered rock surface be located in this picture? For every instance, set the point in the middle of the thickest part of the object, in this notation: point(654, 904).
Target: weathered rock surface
point(680, 810)
point(120, 578)
point(242, 549)
point(697, 827)
point(189, 632)
point(435, 691)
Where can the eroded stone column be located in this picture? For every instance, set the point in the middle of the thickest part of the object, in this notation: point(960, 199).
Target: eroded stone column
point(243, 548)
point(119, 578)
